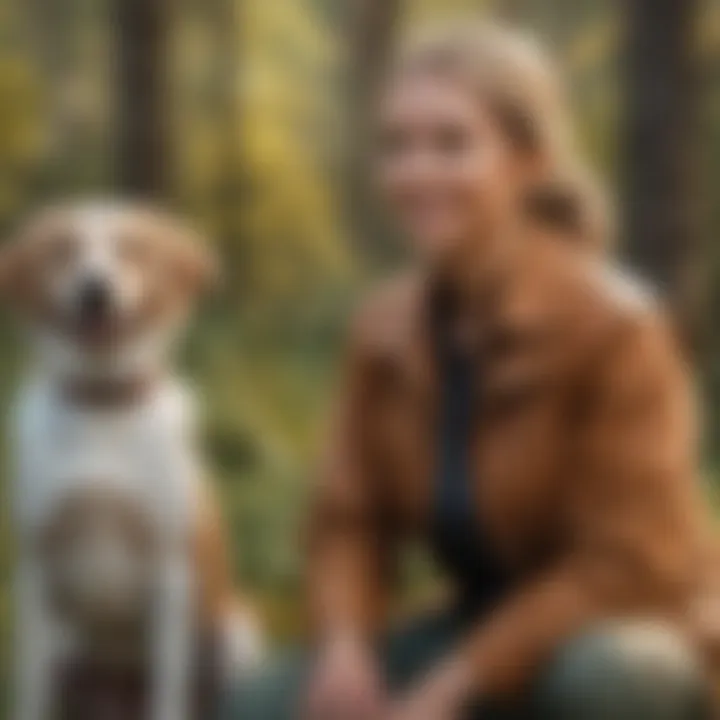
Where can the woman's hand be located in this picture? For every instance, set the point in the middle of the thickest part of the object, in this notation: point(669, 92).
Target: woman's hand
point(442, 696)
point(345, 684)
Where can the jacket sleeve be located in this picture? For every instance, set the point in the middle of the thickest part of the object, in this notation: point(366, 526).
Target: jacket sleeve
point(350, 541)
point(632, 515)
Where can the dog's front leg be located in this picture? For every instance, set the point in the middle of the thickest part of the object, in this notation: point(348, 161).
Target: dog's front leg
point(33, 686)
point(173, 637)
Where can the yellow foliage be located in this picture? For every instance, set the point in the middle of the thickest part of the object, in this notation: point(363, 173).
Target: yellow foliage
point(262, 133)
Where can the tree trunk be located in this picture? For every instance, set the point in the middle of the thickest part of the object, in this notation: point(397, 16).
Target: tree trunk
point(143, 136)
point(511, 11)
point(373, 32)
point(661, 221)
point(373, 26)
point(229, 193)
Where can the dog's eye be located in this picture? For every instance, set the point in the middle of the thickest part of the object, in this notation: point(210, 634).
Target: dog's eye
point(60, 250)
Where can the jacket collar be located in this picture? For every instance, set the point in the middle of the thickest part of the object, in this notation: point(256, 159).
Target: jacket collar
point(520, 325)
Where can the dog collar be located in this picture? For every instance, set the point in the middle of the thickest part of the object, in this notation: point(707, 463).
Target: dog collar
point(108, 392)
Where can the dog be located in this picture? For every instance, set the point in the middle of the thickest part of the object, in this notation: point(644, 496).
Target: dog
point(121, 553)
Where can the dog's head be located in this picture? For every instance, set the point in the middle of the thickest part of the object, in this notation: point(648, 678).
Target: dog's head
point(102, 275)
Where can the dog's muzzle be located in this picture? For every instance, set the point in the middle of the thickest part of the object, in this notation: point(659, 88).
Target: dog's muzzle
point(94, 300)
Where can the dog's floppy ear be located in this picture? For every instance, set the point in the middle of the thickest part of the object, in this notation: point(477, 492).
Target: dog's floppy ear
point(197, 263)
point(189, 255)
point(15, 262)
point(22, 254)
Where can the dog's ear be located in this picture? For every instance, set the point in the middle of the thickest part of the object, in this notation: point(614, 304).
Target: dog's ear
point(22, 255)
point(189, 255)
point(15, 262)
point(196, 263)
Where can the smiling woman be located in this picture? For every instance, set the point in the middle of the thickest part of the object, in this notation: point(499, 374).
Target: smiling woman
point(505, 403)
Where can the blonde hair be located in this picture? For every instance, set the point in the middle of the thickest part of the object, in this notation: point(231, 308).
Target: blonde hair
point(521, 86)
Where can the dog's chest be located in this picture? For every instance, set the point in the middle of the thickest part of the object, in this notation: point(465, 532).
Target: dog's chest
point(128, 449)
point(99, 549)
point(98, 491)
point(144, 452)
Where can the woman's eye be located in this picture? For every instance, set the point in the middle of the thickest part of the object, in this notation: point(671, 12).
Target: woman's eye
point(451, 141)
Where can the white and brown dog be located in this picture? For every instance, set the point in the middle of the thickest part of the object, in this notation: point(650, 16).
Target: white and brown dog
point(119, 540)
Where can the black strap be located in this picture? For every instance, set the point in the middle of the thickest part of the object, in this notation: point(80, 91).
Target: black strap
point(458, 538)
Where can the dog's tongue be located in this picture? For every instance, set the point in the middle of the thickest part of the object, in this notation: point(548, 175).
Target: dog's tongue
point(96, 330)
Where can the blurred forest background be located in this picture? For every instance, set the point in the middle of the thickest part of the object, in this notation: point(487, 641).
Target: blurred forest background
point(251, 116)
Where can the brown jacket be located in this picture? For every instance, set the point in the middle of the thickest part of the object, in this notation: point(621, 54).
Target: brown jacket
point(584, 456)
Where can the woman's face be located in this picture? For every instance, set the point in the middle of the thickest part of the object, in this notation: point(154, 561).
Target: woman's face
point(445, 168)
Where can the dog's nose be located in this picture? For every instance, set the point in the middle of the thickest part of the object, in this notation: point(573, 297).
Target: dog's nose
point(94, 301)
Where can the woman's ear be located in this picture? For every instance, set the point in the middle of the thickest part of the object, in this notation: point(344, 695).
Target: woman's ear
point(535, 167)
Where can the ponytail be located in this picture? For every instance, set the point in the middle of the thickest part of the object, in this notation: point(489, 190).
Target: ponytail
point(574, 205)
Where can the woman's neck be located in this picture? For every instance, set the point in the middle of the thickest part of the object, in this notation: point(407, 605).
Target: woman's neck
point(473, 278)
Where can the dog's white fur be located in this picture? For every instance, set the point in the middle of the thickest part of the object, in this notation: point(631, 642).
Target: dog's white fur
point(144, 450)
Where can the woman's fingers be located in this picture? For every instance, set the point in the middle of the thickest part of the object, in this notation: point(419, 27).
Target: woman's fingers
point(345, 685)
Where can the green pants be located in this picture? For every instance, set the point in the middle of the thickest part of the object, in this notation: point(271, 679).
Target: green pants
point(617, 672)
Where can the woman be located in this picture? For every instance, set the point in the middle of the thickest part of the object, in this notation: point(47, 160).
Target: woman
point(521, 406)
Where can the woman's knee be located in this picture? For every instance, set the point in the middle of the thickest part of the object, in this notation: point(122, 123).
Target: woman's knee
point(625, 671)
point(273, 693)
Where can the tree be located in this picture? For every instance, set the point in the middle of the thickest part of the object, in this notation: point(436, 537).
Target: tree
point(141, 30)
point(71, 77)
point(661, 94)
point(372, 29)
point(514, 11)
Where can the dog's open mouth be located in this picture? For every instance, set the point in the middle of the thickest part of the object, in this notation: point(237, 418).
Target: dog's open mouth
point(96, 330)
